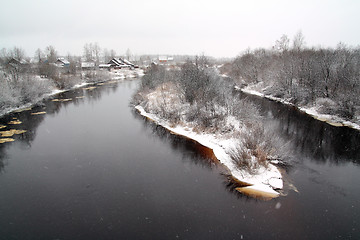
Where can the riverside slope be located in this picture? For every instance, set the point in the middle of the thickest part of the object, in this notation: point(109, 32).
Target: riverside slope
point(312, 111)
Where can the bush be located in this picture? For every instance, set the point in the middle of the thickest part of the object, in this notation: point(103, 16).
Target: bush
point(66, 81)
point(155, 75)
point(347, 110)
point(326, 106)
point(258, 146)
point(242, 159)
point(32, 88)
point(249, 159)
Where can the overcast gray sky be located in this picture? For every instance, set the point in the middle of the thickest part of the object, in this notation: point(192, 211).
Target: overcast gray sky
point(220, 28)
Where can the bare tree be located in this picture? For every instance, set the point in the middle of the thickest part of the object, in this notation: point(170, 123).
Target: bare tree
point(326, 62)
point(87, 51)
point(282, 45)
point(106, 55)
point(51, 54)
point(18, 53)
point(92, 52)
point(112, 53)
point(128, 54)
point(298, 41)
point(96, 52)
point(4, 55)
point(39, 55)
point(73, 64)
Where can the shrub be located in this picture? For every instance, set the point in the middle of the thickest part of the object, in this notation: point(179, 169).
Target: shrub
point(258, 146)
point(326, 105)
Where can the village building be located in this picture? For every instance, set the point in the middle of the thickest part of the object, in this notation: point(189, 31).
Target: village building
point(104, 66)
point(62, 62)
point(88, 65)
point(119, 63)
point(165, 60)
point(13, 63)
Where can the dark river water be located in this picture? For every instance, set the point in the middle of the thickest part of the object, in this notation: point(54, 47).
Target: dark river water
point(92, 168)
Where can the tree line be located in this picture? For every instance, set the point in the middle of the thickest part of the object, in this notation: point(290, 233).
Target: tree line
point(329, 77)
point(26, 80)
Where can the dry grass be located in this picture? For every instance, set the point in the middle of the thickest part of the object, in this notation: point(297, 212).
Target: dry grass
point(255, 149)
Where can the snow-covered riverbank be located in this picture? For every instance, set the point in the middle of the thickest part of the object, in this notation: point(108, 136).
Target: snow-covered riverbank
point(312, 111)
point(117, 75)
point(54, 92)
point(263, 183)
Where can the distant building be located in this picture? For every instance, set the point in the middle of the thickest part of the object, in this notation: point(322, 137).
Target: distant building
point(119, 63)
point(165, 59)
point(16, 64)
point(14, 61)
point(88, 65)
point(62, 62)
point(104, 66)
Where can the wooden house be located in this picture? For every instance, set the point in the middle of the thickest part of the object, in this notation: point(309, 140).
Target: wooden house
point(88, 65)
point(119, 63)
point(62, 62)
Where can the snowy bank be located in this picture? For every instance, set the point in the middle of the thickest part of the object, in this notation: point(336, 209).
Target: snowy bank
point(312, 111)
point(54, 91)
point(262, 184)
point(126, 73)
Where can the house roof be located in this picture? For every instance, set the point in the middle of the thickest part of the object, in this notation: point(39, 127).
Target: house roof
point(104, 65)
point(166, 58)
point(120, 62)
point(128, 62)
point(63, 61)
point(87, 64)
point(15, 61)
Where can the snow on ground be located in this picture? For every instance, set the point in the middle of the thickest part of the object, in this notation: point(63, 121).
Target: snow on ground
point(266, 179)
point(312, 111)
point(251, 91)
point(126, 73)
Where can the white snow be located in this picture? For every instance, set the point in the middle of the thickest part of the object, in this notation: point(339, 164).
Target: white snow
point(265, 180)
point(126, 73)
point(80, 85)
point(330, 119)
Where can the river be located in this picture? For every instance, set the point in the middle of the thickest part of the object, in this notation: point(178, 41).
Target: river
point(92, 168)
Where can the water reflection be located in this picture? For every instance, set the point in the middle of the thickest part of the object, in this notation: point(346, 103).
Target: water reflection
point(2, 159)
point(310, 138)
point(194, 153)
point(30, 119)
point(191, 150)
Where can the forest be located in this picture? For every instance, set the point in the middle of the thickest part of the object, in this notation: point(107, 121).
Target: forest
point(328, 78)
